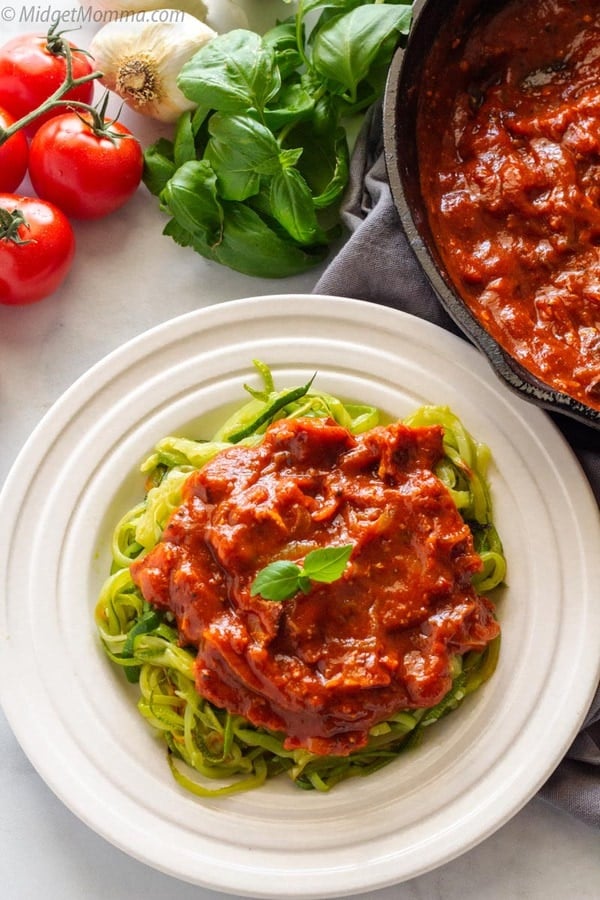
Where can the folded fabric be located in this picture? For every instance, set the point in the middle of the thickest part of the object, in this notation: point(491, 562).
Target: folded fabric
point(377, 264)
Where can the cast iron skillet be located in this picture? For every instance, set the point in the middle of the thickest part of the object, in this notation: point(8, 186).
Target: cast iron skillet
point(401, 104)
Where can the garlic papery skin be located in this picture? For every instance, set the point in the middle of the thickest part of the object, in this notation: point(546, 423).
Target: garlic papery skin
point(225, 15)
point(140, 61)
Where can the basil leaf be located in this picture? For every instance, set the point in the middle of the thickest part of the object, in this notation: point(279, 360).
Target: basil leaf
point(247, 244)
point(339, 172)
point(293, 103)
point(289, 157)
point(328, 563)
point(199, 117)
point(325, 160)
point(159, 165)
point(344, 48)
point(184, 238)
point(232, 73)
point(325, 116)
point(281, 40)
point(240, 150)
point(185, 146)
point(265, 150)
point(292, 205)
point(281, 579)
point(191, 198)
point(277, 581)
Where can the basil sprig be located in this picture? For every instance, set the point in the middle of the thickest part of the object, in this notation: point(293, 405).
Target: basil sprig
point(282, 579)
point(254, 176)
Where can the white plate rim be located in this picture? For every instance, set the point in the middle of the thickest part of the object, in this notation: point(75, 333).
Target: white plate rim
point(337, 875)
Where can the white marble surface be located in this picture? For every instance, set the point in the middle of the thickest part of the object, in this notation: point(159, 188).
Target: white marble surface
point(127, 278)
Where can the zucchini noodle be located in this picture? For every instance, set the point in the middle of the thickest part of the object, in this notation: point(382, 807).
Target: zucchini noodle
point(211, 752)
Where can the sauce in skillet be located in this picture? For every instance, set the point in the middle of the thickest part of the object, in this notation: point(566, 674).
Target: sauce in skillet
point(322, 667)
point(509, 148)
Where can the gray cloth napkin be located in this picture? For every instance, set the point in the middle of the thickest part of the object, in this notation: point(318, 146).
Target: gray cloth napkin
point(376, 264)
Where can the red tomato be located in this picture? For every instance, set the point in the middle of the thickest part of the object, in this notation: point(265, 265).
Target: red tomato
point(14, 154)
point(32, 68)
point(37, 246)
point(85, 173)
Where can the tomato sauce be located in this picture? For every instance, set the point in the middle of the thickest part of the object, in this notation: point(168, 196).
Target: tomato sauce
point(509, 152)
point(322, 667)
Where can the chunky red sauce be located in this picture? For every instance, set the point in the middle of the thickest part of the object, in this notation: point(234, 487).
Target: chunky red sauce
point(322, 667)
point(509, 144)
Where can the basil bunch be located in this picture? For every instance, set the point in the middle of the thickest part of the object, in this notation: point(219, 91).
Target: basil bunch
point(254, 176)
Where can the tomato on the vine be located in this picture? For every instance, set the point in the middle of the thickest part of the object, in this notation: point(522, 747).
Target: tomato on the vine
point(37, 246)
point(32, 67)
point(88, 169)
point(14, 154)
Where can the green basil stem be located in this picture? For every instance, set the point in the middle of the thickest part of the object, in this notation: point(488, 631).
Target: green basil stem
point(299, 34)
point(55, 100)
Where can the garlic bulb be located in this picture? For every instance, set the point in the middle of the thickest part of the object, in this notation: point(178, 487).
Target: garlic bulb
point(140, 61)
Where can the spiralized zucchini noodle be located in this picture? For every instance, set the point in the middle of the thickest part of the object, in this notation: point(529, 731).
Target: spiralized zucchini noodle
point(210, 751)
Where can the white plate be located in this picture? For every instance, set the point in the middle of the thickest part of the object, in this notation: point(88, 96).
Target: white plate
point(73, 713)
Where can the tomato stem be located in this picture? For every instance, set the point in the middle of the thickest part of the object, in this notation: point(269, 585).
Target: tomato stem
point(55, 100)
point(10, 222)
point(57, 44)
